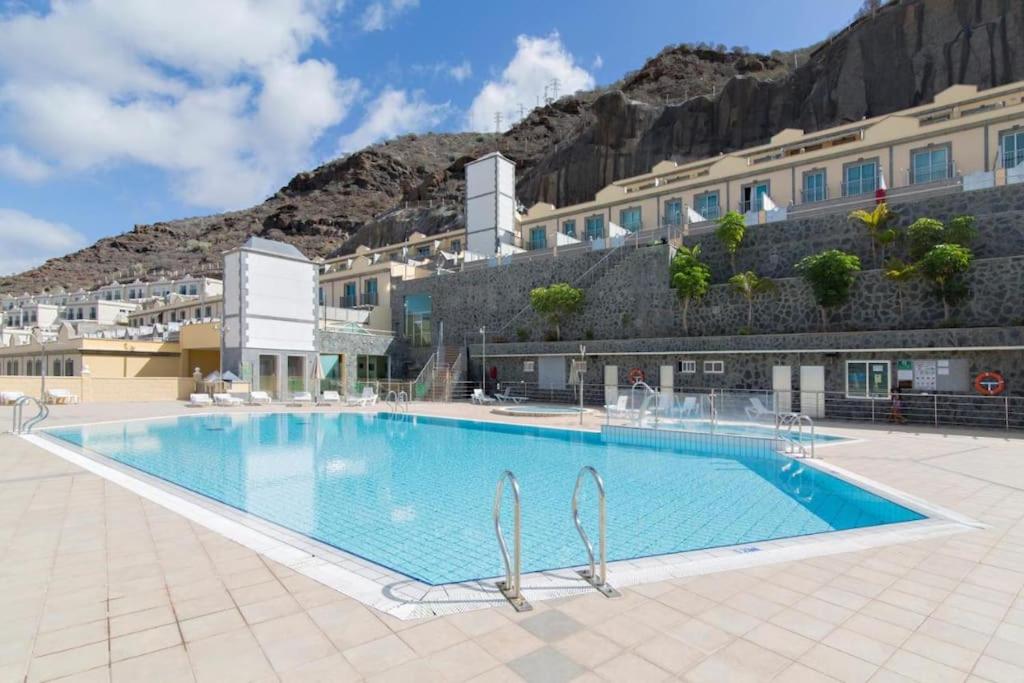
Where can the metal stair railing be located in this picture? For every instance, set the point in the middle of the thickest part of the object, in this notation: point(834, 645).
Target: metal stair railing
point(790, 420)
point(511, 587)
point(597, 579)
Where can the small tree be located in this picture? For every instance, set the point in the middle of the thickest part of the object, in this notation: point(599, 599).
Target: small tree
point(556, 302)
point(899, 273)
point(877, 223)
point(830, 275)
point(943, 266)
point(731, 229)
point(748, 285)
point(922, 235)
point(690, 278)
point(961, 230)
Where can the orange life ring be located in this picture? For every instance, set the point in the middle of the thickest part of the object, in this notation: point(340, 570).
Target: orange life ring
point(989, 383)
point(636, 375)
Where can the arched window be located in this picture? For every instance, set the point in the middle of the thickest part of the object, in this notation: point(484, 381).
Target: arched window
point(39, 367)
point(69, 368)
point(56, 367)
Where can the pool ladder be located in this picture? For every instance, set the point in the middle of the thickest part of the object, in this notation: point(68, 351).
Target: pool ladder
point(595, 579)
point(511, 587)
point(797, 445)
point(398, 401)
point(24, 426)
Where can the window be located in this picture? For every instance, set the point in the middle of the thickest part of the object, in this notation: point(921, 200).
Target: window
point(529, 365)
point(39, 367)
point(320, 296)
point(687, 367)
point(456, 246)
point(370, 292)
point(418, 311)
point(1011, 147)
point(867, 379)
point(630, 219)
point(193, 289)
point(199, 313)
point(69, 367)
point(714, 367)
point(92, 313)
point(348, 299)
point(539, 237)
point(814, 186)
point(209, 312)
point(707, 205)
point(674, 212)
point(594, 226)
point(752, 197)
point(268, 374)
point(56, 367)
point(860, 177)
point(929, 165)
point(423, 252)
point(296, 374)
point(569, 228)
point(182, 289)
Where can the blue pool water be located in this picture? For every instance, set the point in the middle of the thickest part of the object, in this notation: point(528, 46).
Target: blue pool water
point(415, 495)
point(763, 431)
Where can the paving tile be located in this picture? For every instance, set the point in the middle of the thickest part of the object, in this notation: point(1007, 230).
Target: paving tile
point(143, 642)
point(257, 612)
point(545, 665)
point(292, 641)
point(348, 625)
point(921, 668)
point(798, 673)
point(625, 630)
point(233, 655)
point(66, 639)
point(462, 662)
point(701, 635)
point(163, 666)
point(859, 645)
point(551, 625)
point(141, 621)
point(838, 664)
point(67, 662)
point(509, 642)
point(379, 655)
point(211, 624)
point(670, 654)
point(332, 669)
point(630, 667)
point(780, 640)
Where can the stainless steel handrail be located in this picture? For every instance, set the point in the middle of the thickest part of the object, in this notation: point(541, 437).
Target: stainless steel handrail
point(511, 587)
point(789, 420)
point(20, 426)
point(598, 580)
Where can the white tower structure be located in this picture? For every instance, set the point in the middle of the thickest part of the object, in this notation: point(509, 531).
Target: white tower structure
point(268, 334)
point(490, 205)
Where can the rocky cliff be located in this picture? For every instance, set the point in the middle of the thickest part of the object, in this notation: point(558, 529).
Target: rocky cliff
point(687, 102)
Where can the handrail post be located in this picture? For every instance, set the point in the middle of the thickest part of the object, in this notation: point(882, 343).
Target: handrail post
point(511, 587)
point(598, 580)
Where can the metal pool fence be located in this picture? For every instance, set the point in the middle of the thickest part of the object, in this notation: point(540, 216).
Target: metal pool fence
point(762, 406)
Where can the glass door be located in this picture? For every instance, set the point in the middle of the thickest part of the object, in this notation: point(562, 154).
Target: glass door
point(268, 374)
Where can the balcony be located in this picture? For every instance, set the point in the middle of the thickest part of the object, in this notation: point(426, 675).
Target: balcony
point(350, 301)
point(370, 299)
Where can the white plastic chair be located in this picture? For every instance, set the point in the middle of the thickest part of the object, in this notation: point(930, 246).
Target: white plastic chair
point(480, 398)
point(199, 400)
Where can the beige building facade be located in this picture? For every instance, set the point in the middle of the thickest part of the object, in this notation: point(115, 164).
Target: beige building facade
point(964, 136)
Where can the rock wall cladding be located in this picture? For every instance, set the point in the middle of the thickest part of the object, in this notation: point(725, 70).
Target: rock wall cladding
point(772, 249)
point(631, 299)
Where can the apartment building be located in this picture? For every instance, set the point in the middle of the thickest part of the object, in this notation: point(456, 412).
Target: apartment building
point(965, 136)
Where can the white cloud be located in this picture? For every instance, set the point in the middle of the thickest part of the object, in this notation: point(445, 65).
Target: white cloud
point(379, 15)
point(17, 164)
point(597, 63)
point(537, 62)
point(394, 112)
point(461, 72)
point(28, 241)
point(218, 94)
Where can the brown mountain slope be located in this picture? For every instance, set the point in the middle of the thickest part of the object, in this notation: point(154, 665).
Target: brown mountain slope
point(684, 103)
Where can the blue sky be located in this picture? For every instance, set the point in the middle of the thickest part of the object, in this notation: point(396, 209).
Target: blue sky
point(113, 114)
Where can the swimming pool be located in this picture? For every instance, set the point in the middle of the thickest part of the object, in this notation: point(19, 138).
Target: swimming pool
point(414, 494)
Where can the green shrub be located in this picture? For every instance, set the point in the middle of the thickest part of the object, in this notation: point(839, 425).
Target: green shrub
point(830, 275)
point(690, 278)
point(730, 232)
point(943, 267)
point(556, 302)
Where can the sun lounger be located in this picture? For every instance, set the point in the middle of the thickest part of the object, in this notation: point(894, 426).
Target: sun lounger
point(330, 397)
point(60, 396)
point(507, 396)
point(479, 397)
point(619, 409)
point(689, 407)
point(301, 398)
point(257, 398)
point(756, 409)
point(226, 400)
point(198, 400)
point(9, 397)
point(367, 398)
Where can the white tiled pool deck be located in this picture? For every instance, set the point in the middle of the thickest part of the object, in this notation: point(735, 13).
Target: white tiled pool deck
point(101, 583)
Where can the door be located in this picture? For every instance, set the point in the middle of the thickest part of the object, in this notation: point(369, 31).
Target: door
point(665, 377)
point(782, 385)
point(611, 384)
point(812, 390)
point(551, 372)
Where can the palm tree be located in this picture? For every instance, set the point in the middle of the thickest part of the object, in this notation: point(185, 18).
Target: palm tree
point(899, 273)
point(877, 223)
point(748, 285)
